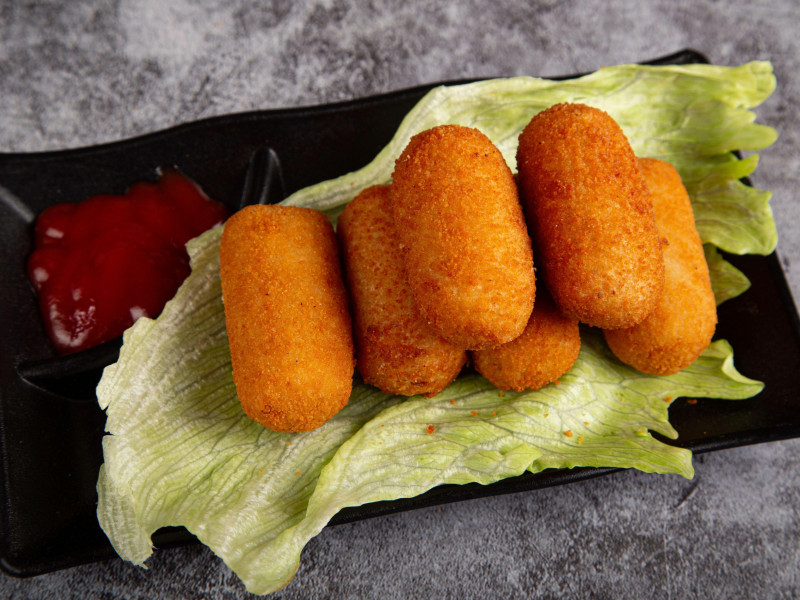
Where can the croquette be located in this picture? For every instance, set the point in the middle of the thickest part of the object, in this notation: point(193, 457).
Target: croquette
point(546, 350)
point(395, 350)
point(683, 322)
point(465, 247)
point(287, 316)
point(591, 216)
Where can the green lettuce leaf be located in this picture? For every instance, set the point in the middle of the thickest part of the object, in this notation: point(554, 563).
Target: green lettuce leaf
point(180, 451)
point(726, 280)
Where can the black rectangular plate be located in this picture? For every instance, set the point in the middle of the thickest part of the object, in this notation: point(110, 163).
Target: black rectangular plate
point(51, 426)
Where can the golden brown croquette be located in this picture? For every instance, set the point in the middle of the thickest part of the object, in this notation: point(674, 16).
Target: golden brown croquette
point(395, 350)
point(683, 322)
point(591, 216)
point(546, 350)
point(465, 246)
point(286, 315)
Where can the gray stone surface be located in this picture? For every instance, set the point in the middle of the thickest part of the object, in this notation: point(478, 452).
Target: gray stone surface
point(73, 74)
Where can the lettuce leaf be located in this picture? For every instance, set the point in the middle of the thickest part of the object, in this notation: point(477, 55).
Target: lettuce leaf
point(726, 280)
point(181, 452)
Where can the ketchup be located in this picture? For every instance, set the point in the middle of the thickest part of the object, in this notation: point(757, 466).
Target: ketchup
point(101, 264)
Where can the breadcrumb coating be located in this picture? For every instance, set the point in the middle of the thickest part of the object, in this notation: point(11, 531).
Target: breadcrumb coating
point(683, 322)
point(395, 350)
point(546, 350)
point(591, 216)
point(286, 315)
point(463, 237)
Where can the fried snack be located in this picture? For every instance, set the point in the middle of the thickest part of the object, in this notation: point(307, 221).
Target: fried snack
point(465, 245)
point(546, 350)
point(287, 317)
point(683, 322)
point(591, 216)
point(395, 350)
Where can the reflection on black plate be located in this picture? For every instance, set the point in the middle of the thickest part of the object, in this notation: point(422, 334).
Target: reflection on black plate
point(51, 427)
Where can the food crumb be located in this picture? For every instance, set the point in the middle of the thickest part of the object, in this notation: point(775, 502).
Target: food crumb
point(288, 443)
point(261, 470)
point(430, 429)
point(546, 415)
point(494, 414)
point(502, 393)
point(668, 399)
point(298, 472)
point(452, 401)
point(692, 401)
point(557, 382)
point(586, 422)
point(474, 413)
point(580, 439)
point(568, 433)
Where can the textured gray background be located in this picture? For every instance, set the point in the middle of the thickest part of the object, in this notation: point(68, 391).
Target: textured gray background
point(73, 74)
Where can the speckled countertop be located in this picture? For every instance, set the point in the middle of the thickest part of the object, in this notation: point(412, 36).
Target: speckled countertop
point(75, 74)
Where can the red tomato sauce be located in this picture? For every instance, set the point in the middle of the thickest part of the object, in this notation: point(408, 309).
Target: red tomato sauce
point(101, 264)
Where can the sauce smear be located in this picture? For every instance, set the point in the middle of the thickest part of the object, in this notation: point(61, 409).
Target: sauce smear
point(101, 264)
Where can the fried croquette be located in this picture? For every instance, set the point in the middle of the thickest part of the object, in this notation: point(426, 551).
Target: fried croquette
point(395, 350)
point(591, 216)
point(683, 322)
point(286, 315)
point(465, 245)
point(546, 350)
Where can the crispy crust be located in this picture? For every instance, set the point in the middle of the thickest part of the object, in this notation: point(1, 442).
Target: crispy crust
point(684, 320)
point(465, 245)
point(287, 317)
point(546, 350)
point(591, 216)
point(395, 350)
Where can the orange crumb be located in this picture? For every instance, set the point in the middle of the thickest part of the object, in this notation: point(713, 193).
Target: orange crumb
point(298, 472)
point(546, 415)
point(580, 439)
point(557, 382)
point(692, 401)
point(668, 399)
point(261, 470)
point(568, 433)
point(288, 443)
point(474, 413)
point(430, 429)
point(502, 393)
point(494, 414)
point(452, 401)
point(381, 424)
point(586, 422)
